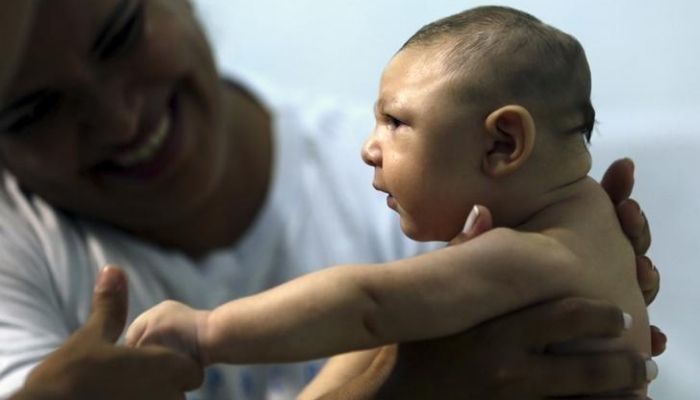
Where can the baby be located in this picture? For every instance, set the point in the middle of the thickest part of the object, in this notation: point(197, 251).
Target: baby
point(489, 107)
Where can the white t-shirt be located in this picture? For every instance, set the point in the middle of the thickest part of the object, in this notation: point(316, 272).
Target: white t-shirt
point(321, 211)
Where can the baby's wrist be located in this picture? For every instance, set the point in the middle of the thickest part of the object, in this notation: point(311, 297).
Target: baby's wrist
point(203, 336)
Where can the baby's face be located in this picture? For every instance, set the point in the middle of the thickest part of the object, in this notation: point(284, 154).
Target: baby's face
point(426, 147)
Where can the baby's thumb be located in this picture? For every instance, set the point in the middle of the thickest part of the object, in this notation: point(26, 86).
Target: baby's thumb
point(478, 222)
point(134, 333)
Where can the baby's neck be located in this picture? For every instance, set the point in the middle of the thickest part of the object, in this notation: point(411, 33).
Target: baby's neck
point(530, 211)
point(555, 173)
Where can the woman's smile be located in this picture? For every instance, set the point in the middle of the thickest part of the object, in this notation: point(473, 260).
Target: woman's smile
point(153, 151)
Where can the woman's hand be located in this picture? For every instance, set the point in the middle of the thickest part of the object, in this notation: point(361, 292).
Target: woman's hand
point(89, 366)
point(618, 181)
point(504, 359)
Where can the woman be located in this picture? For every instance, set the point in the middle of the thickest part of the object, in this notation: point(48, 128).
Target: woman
point(123, 145)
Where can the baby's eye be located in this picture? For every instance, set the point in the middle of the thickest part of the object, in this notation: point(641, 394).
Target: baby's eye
point(393, 123)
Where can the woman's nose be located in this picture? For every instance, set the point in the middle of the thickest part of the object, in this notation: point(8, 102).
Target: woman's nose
point(116, 113)
point(371, 152)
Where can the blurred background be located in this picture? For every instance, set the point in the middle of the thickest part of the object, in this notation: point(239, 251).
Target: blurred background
point(645, 62)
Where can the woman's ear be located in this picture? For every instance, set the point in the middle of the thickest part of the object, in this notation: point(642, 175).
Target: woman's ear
point(511, 138)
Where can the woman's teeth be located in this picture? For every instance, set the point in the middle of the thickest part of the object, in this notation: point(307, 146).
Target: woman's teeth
point(148, 149)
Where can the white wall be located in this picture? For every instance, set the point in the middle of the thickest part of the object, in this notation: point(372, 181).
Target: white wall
point(645, 61)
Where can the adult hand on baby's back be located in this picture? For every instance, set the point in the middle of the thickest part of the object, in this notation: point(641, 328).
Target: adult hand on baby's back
point(505, 358)
point(618, 182)
point(89, 366)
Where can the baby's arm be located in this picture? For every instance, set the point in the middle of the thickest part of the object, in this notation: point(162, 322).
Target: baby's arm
point(354, 307)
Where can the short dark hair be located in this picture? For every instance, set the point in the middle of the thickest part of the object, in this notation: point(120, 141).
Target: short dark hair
point(514, 56)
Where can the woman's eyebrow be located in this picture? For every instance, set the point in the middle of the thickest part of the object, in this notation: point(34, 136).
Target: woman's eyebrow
point(109, 24)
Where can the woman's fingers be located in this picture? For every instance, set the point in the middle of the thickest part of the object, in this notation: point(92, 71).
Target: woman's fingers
point(618, 180)
point(649, 278)
point(635, 225)
point(594, 373)
point(478, 222)
point(658, 341)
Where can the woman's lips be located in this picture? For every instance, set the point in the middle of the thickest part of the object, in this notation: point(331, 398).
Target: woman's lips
point(148, 148)
point(154, 153)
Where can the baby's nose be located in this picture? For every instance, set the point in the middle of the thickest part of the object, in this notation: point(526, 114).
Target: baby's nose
point(371, 153)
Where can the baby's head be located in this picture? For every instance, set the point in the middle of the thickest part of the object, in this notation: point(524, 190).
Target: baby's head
point(489, 106)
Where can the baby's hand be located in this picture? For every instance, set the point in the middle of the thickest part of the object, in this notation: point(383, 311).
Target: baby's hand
point(169, 324)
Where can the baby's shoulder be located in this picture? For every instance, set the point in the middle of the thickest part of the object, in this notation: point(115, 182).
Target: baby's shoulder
point(589, 227)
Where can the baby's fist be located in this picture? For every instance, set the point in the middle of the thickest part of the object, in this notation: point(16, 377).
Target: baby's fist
point(169, 324)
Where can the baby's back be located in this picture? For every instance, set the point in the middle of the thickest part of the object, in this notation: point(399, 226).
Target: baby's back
point(588, 226)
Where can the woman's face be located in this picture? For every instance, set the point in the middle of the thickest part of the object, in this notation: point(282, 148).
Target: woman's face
point(115, 112)
point(14, 23)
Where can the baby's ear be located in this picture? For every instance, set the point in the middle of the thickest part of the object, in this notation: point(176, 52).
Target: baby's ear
point(511, 138)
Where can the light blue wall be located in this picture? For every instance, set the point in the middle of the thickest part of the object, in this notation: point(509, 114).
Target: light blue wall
point(645, 61)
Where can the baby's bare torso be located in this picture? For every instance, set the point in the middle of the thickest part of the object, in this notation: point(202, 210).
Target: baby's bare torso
point(605, 260)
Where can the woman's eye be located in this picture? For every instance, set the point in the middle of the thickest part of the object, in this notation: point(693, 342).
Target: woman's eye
point(42, 109)
point(126, 36)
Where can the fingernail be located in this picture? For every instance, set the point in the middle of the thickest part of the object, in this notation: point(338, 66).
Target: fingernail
point(638, 208)
point(107, 281)
point(471, 219)
point(627, 320)
point(660, 332)
point(652, 370)
point(629, 160)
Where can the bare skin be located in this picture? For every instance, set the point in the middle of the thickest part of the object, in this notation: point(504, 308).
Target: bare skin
point(111, 360)
point(15, 18)
point(468, 363)
point(563, 228)
point(446, 368)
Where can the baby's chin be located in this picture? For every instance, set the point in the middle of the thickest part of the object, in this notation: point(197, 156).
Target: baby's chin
point(428, 234)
